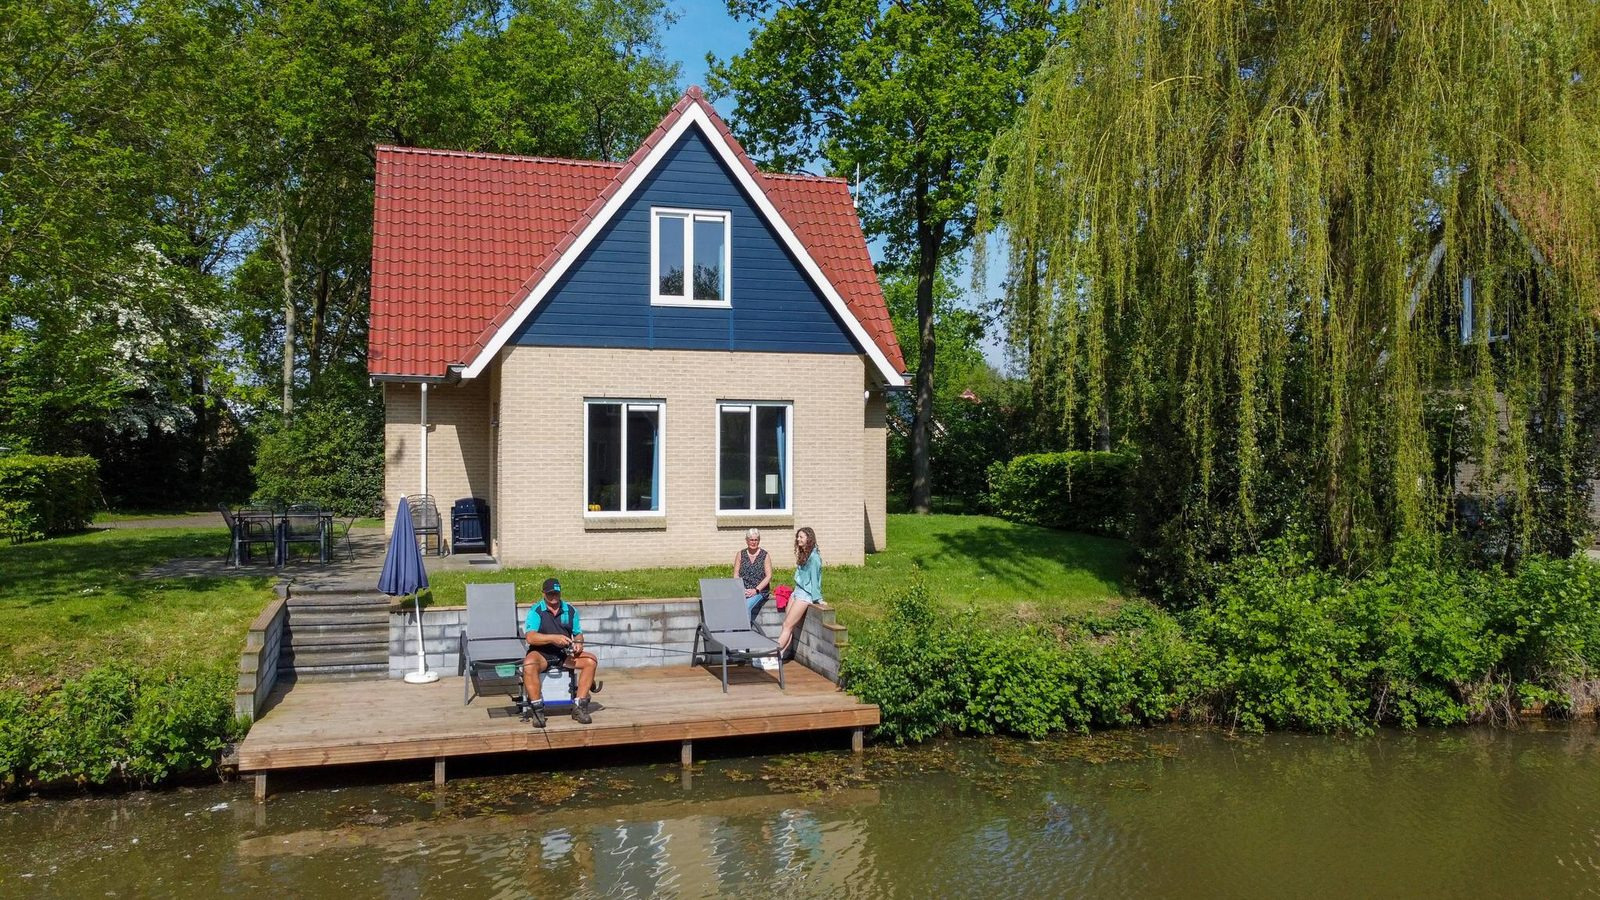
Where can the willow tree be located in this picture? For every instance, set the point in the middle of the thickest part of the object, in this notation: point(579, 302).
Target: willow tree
point(1326, 265)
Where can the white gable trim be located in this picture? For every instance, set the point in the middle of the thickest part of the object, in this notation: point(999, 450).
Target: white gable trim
point(695, 115)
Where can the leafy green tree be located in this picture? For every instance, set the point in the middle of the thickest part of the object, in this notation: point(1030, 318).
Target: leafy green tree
point(973, 406)
point(321, 83)
point(1246, 236)
point(908, 95)
point(109, 238)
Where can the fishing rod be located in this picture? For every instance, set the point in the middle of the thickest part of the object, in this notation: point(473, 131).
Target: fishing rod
point(635, 647)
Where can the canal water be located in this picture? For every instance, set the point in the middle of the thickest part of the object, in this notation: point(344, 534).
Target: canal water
point(1465, 813)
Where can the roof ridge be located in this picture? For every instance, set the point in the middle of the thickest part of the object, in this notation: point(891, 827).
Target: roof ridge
point(510, 157)
point(805, 176)
point(564, 160)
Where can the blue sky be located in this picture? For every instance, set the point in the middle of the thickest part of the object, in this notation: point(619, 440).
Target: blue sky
point(704, 26)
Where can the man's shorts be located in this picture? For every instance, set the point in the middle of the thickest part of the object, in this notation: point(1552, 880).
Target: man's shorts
point(551, 658)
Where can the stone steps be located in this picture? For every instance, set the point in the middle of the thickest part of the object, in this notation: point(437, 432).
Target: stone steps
point(338, 599)
point(356, 672)
point(336, 635)
point(299, 616)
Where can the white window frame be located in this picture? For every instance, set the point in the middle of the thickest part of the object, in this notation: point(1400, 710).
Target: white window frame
point(788, 456)
point(657, 213)
point(660, 407)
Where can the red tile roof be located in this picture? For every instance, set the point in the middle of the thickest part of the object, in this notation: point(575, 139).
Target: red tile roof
point(461, 239)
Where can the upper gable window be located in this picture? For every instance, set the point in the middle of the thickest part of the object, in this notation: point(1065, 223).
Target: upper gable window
point(689, 241)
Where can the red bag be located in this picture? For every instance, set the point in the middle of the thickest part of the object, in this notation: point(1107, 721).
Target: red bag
point(780, 596)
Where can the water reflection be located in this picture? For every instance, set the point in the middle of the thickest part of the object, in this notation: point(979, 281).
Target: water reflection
point(1461, 813)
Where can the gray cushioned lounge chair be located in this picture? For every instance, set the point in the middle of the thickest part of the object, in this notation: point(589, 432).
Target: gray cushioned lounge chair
point(493, 636)
point(725, 629)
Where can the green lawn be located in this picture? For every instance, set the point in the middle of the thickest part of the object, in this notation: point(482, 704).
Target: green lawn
point(102, 516)
point(68, 603)
point(1000, 566)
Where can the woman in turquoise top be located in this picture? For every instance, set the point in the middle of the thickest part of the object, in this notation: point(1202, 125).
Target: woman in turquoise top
point(807, 586)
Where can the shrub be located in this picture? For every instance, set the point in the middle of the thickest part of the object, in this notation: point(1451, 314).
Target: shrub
point(46, 495)
point(1078, 491)
point(17, 738)
point(931, 671)
point(330, 453)
point(1284, 644)
point(117, 724)
point(1285, 653)
point(1421, 641)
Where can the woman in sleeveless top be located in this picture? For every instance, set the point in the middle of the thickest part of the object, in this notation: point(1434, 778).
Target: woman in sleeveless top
point(753, 566)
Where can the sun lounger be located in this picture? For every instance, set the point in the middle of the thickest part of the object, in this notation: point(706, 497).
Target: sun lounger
point(725, 629)
point(493, 636)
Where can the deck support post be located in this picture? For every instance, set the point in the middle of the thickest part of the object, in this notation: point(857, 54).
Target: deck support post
point(686, 754)
point(261, 787)
point(438, 771)
point(858, 739)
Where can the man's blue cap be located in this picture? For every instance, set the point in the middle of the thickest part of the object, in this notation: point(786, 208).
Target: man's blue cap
point(551, 584)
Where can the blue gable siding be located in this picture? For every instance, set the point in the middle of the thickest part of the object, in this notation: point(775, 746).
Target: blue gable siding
point(604, 298)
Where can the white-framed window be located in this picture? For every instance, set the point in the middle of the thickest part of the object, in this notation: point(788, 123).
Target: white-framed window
point(754, 457)
point(1497, 328)
point(690, 255)
point(623, 456)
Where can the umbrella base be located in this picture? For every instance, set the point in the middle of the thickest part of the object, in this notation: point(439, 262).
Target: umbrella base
point(428, 677)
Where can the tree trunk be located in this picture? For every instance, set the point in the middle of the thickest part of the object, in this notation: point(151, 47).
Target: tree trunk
point(928, 240)
point(286, 265)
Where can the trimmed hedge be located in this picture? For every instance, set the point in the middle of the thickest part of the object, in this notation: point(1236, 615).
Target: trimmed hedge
point(46, 495)
point(1075, 490)
point(117, 725)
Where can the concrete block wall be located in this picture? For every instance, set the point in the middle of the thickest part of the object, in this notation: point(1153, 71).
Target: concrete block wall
point(460, 444)
point(539, 514)
point(258, 664)
point(659, 632)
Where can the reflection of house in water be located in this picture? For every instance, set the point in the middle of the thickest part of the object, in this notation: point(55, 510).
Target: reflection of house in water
point(699, 855)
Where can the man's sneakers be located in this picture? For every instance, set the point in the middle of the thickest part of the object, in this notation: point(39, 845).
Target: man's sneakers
point(580, 711)
point(533, 712)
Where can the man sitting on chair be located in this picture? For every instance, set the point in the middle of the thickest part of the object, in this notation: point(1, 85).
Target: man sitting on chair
point(554, 639)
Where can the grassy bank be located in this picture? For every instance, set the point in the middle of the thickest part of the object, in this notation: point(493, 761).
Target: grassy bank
point(1000, 568)
point(69, 603)
point(111, 678)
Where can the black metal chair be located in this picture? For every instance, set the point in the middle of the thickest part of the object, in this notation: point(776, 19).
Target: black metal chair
point(425, 520)
point(233, 534)
point(376, 512)
point(257, 524)
point(304, 523)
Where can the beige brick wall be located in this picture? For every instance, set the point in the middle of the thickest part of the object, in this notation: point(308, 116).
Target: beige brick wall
point(459, 443)
point(539, 510)
point(874, 474)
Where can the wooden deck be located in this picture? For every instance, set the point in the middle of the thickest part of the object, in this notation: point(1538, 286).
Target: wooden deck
point(335, 723)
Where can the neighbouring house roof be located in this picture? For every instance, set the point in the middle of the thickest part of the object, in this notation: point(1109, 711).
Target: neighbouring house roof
point(1554, 235)
point(465, 244)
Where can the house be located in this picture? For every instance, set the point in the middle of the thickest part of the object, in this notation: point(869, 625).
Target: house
point(1542, 250)
point(632, 363)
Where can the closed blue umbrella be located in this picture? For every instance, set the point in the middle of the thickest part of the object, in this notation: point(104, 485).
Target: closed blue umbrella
point(403, 573)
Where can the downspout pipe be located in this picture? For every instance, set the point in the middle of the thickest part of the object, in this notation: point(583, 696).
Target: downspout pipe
point(424, 426)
